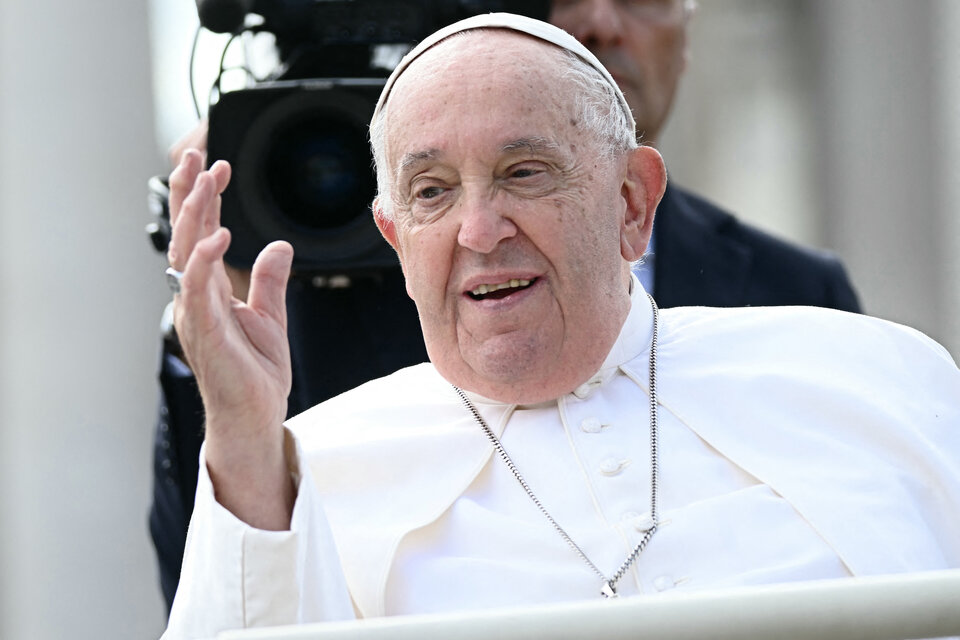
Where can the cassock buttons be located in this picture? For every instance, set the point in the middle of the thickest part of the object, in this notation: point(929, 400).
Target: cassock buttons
point(662, 583)
point(613, 466)
point(640, 522)
point(584, 390)
point(592, 425)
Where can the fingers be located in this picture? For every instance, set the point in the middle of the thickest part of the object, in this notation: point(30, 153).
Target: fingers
point(186, 168)
point(201, 269)
point(182, 179)
point(268, 281)
point(197, 214)
point(187, 228)
point(220, 172)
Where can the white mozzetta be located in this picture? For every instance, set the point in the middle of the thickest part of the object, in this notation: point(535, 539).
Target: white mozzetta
point(797, 443)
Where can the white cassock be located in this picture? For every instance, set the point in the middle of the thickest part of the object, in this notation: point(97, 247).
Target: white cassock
point(795, 443)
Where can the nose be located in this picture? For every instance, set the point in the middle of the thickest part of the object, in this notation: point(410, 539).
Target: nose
point(595, 23)
point(482, 225)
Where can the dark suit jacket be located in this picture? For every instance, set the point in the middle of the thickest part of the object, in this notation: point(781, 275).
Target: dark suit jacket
point(704, 257)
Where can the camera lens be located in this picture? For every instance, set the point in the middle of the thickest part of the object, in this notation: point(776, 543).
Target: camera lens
point(302, 171)
point(317, 171)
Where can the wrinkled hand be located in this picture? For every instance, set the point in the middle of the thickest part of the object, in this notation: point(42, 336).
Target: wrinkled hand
point(196, 138)
point(238, 350)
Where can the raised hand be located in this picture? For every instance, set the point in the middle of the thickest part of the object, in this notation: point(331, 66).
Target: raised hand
point(238, 350)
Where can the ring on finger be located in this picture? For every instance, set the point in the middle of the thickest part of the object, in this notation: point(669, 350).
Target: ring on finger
point(173, 279)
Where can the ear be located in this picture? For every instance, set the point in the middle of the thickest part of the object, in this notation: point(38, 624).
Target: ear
point(643, 186)
point(386, 225)
point(388, 229)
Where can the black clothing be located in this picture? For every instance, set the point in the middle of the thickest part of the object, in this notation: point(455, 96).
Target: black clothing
point(706, 257)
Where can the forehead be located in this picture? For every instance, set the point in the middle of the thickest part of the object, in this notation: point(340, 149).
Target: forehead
point(491, 84)
point(477, 54)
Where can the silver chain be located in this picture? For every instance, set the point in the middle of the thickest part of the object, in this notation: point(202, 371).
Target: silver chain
point(609, 585)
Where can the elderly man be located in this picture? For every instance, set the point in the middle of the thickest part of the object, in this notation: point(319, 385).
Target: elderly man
point(566, 439)
point(698, 255)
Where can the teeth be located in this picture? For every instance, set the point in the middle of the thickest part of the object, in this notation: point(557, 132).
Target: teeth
point(490, 288)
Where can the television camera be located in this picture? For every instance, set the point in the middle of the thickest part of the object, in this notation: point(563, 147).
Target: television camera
point(297, 142)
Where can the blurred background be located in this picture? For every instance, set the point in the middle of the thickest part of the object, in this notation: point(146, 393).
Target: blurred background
point(834, 123)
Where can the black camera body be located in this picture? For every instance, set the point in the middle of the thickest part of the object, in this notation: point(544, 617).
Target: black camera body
point(301, 172)
point(298, 144)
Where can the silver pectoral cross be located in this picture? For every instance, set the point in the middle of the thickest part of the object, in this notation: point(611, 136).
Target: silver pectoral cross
point(608, 590)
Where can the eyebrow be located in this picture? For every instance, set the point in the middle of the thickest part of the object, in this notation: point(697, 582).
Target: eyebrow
point(410, 160)
point(533, 144)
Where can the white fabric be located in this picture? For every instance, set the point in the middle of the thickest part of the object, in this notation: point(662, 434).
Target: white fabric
point(797, 443)
point(588, 462)
point(235, 576)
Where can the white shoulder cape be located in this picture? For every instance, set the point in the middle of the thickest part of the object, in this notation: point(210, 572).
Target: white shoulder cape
point(854, 420)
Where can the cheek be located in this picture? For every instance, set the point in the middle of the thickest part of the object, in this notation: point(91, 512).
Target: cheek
point(594, 241)
point(426, 252)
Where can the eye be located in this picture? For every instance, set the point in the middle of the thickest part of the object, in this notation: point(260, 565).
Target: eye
point(428, 193)
point(529, 178)
point(429, 198)
point(523, 172)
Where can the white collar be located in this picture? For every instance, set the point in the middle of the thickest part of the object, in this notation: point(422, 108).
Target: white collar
point(634, 339)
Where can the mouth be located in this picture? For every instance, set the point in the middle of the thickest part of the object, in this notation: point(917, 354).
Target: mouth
point(499, 290)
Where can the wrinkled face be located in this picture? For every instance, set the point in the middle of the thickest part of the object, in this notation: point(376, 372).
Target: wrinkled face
point(643, 43)
point(507, 220)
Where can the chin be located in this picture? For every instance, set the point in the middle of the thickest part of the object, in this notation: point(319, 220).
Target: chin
point(514, 385)
point(533, 393)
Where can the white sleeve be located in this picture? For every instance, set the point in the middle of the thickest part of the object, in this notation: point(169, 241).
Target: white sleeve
point(235, 576)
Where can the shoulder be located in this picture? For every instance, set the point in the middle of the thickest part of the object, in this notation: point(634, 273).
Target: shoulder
point(803, 339)
point(375, 410)
point(821, 404)
point(707, 244)
point(725, 224)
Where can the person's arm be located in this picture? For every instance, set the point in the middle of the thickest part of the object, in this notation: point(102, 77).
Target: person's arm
point(235, 576)
point(246, 563)
point(237, 350)
point(179, 424)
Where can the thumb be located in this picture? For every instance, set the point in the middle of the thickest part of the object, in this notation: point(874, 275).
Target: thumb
point(268, 281)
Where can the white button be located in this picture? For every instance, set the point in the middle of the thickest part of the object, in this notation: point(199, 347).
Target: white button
point(591, 425)
point(587, 387)
point(662, 583)
point(640, 522)
point(612, 466)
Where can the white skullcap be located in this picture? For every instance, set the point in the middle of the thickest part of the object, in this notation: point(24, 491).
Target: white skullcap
point(523, 24)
